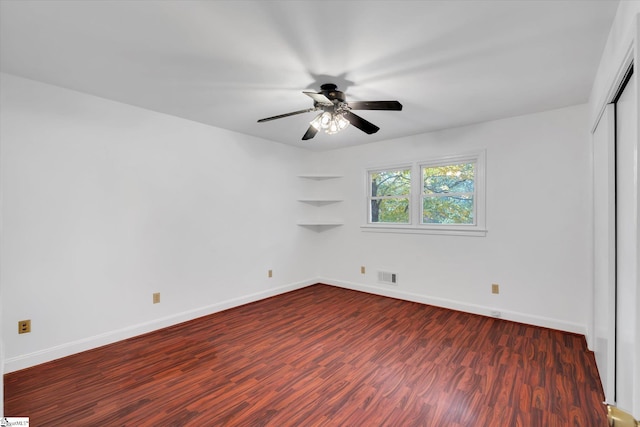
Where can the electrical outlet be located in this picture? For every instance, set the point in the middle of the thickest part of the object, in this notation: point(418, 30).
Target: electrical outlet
point(156, 297)
point(362, 270)
point(270, 273)
point(24, 326)
point(495, 288)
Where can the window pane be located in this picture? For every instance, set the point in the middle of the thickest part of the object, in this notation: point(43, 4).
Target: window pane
point(447, 210)
point(390, 210)
point(390, 183)
point(449, 179)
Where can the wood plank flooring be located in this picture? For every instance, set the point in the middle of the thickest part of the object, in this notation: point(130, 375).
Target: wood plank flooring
point(322, 356)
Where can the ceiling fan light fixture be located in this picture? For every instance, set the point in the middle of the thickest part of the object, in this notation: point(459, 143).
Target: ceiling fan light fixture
point(333, 128)
point(342, 122)
point(330, 123)
point(337, 124)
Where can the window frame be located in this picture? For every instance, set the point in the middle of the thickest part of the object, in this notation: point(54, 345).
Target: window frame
point(415, 225)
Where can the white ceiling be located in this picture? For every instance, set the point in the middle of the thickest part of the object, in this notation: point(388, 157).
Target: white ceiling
point(230, 63)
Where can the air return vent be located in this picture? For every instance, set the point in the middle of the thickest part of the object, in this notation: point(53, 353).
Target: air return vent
point(387, 278)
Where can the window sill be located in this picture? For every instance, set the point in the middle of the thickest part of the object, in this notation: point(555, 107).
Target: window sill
point(408, 229)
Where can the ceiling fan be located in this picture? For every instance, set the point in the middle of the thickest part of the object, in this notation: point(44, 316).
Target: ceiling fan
point(336, 112)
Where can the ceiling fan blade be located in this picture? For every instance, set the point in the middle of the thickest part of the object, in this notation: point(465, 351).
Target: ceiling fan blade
point(361, 123)
point(319, 98)
point(311, 132)
point(376, 105)
point(287, 114)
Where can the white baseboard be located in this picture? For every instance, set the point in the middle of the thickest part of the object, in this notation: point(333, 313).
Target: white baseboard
point(529, 319)
point(46, 355)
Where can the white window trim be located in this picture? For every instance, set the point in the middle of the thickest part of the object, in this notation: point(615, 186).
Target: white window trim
point(415, 226)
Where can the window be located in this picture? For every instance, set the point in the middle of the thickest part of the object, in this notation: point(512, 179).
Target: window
point(390, 195)
point(446, 198)
point(448, 194)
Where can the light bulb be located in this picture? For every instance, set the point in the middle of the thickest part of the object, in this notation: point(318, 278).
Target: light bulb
point(325, 120)
point(342, 122)
point(333, 127)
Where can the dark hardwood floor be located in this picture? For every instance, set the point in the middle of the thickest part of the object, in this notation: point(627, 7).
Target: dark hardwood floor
point(322, 356)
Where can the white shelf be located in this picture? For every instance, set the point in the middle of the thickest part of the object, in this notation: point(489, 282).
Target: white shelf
point(321, 222)
point(319, 226)
point(319, 201)
point(319, 177)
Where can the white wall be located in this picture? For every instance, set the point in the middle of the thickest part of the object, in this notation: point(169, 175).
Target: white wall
point(537, 246)
point(105, 204)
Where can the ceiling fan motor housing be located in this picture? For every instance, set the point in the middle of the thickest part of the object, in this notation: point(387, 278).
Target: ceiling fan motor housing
point(331, 91)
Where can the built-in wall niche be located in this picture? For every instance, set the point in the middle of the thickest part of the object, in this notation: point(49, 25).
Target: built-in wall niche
point(316, 196)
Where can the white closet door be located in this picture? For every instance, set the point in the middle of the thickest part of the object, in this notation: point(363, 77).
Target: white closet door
point(626, 246)
point(604, 250)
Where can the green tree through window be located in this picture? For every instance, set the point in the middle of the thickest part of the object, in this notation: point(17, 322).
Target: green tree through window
point(390, 196)
point(448, 194)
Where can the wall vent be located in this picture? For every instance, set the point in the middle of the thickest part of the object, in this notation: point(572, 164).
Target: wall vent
point(387, 278)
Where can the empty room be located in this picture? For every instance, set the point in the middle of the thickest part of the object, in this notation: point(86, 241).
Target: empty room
point(319, 213)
